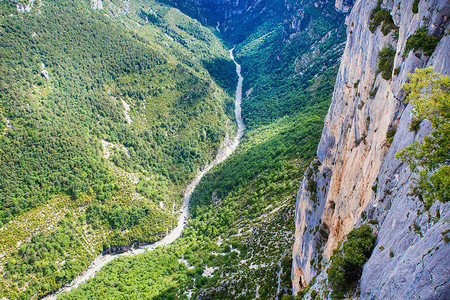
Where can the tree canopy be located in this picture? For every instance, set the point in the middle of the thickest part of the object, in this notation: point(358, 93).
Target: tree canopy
point(429, 95)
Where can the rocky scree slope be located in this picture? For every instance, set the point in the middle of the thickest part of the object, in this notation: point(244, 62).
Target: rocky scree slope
point(357, 178)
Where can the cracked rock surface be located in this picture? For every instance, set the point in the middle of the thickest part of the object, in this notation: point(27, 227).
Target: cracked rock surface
point(357, 174)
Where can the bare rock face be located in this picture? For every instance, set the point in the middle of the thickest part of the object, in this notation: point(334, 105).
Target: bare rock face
point(357, 170)
point(23, 6)
point(96, 4)
point(344, 5)
point(44, 73)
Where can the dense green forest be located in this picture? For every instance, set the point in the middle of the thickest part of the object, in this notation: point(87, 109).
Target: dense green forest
point(241, 216)
point(271, 190)
point(283, 77)
point(70, 155)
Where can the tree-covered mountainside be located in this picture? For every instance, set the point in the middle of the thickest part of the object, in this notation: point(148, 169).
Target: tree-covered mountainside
point(238, 240)
point(291, 65)
point(282, 45)
point(239, 234)
point(106, 116)
point(236, 20)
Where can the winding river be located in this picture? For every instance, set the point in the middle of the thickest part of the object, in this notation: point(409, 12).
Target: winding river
point(222, 154)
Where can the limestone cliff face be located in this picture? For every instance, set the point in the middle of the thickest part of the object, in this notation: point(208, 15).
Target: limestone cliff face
point(357, 171)
point(344, 5)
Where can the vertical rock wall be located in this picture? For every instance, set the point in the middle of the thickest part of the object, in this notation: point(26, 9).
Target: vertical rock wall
point(354, 156)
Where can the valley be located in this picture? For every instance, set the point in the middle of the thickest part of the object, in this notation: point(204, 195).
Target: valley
point(259, 181)
point(225, 151)
point(137, 163)
point(94, 203)
point(241, 214)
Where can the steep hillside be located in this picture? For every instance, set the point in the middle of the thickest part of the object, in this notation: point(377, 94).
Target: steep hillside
point(282, 45)
point(236, 20)
point(109, 108)
point(106, 116)
point(238, 240)
point(357, 179)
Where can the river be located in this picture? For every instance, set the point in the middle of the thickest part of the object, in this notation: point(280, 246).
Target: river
point(222, 154)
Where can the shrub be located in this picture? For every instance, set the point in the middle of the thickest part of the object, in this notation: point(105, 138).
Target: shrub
point(373, 92)
point(390, 134)
point(364, 215)
point(382, 17)
point(374, 187)
point(417, 229)
point(415, 6)
point(415, 124)
point(311, 188)
point(386, 61)
point(346, 265)
point(421, 40)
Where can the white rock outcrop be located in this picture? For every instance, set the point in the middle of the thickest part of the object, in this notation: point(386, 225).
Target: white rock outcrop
point(344, 5)
point(27, 7)
point(44, 73)
point(96, 4)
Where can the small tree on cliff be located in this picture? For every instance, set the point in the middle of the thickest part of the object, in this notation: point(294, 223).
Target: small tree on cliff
point(346, 263)
point(429, 93)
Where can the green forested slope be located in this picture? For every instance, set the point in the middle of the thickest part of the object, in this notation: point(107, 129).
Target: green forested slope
point(62, 199)
point(242, 220)
point(64, 107)
point(290, 69)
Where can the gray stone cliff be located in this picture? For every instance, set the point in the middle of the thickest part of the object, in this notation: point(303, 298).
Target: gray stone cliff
point(357, 172)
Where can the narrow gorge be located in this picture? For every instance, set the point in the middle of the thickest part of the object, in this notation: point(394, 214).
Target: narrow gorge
point(226, 150)
point(137, 163)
